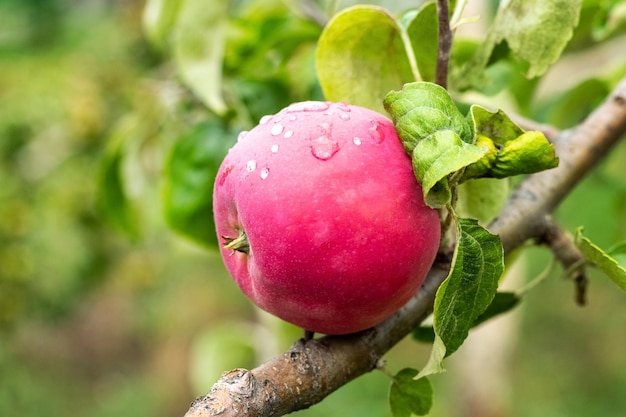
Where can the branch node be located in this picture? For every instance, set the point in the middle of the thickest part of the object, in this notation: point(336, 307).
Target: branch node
point(562, 245)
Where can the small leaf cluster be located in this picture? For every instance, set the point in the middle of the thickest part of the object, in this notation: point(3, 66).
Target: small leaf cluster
point(442, 142)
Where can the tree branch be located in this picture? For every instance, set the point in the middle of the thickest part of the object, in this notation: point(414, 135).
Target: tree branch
point(567, 253)
point(311, 370)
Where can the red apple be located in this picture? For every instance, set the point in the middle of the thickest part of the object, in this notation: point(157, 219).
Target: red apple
point(322, 220)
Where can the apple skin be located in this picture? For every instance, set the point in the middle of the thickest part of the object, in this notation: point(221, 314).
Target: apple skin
point(339, 236)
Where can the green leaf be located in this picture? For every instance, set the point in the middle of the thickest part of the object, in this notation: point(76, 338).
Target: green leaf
point(435, 134)
point(199, 42)
point(360, 57)
point(424, 334)
point(408, 395)
point(435, 360)
point(531, 32)
point(189, 177)
point(511, 150)
point(501, 303)
point(420, 109)
point(618, 252)
point(527, 154)
point(468, 290)
point(438, 155)
point(471, 285)
point(613, 21)
point(264, 38)
point(481, 198)
point(461, 55)
point(113, 198)
point(495, 125)
point(159, 17)
point(422, 28)
point(602, 259)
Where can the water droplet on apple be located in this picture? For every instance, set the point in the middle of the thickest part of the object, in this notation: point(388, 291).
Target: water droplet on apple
point(308, 106)
point(242, 135)
point(357, 141)
point(315, 106)
point(344, 116)
point(251, 165)
point(343, 107)
point(324, 148)
point(375, 131)
point(274, 148)
point(265, 119)
point(295, 107)
point(276, 130)
point(265, 172)
point(293, 117)
point(288, 134)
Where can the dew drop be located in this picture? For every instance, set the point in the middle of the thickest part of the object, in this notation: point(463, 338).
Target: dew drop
point(375, 131)
point(295, 107)
point(343, 107)
point(292, 117)
point(265, 119)
point(242, 135)
point(344, 116)
point(274, 148)
point(276, 130)
point(251, 165)
point(357, 141)
point(288, 134)
point(324, 148)
point(308, 106)
point(265, 172)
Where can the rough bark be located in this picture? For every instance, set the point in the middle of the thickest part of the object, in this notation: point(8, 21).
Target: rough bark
point(312, 369)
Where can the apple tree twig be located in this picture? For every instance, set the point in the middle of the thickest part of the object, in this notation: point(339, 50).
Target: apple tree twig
point(445, 43)
point(562, 245)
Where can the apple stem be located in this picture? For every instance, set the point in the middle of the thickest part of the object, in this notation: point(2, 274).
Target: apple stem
point(239, 243)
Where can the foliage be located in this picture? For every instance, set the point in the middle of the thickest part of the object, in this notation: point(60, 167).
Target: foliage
point(408, 395)
point(607, 261)
point(191, 171)
point(468, 290)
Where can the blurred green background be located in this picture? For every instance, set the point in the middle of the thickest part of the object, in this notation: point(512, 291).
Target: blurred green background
point(104, 310)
